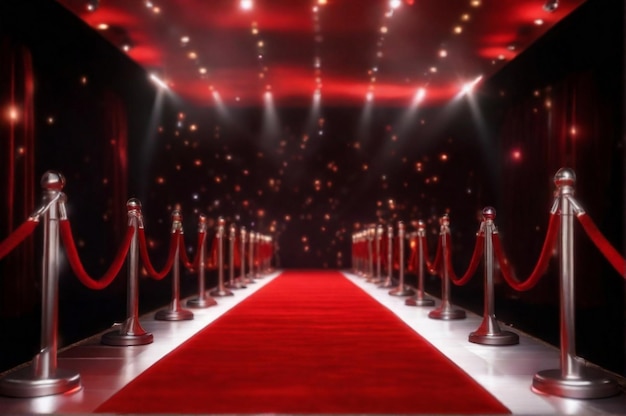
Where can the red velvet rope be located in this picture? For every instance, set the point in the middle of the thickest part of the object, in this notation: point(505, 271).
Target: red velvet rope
point(412, 265)
point(478, 252)
point(607, 250)
point(183, 253)
point(145, 257)
point(433, 268)
point(542, 263)
point(212, 263)
point(77, 266)
point(17, 237)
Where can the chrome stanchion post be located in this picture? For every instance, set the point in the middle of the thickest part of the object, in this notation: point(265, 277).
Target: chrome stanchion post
point(402, 289)
point(419, 299)
point(371, 231)
point(244, 278)
point(489, 332)
point(130, 331)
point(220, 290)
point(573, 379)
point(388, 283)
point(175, 312)
point(445, 310)
point(232, 282)
point(202, 301)
point(42, 377)
point(251, 256)
point(379, 235)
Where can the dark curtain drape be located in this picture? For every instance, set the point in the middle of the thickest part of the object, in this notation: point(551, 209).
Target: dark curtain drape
point(17, 183)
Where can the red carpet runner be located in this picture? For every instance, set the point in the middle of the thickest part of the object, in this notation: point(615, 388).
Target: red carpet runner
point(308, 342)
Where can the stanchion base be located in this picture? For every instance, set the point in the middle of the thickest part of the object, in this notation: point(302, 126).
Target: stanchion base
point(221, 292)
point(419, 302)
point(402, 291)
point(501, 338)
point(236, 285)
point(592, 384)
point(386, 285)
point(446, 314)
point(170, 315)
point(201, 302)
point(23, 383)
point(118, 339)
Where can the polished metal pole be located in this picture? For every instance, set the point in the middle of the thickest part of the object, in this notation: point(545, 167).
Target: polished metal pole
point(419, 299)
point(232, 239)
point(573, 379)
point(489, 332)
point(42, 377)
point(202, 300)
point(220, 290)
point(445, 310)
point(379, 236)
point(388, 283)
point(175, 312)
point(401, 289)
point(371, 231)
point(130, 332)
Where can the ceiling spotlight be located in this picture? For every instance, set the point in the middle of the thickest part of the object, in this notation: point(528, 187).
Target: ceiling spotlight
point(92, 5)
point(245, 4)
point(551, 5)
point(394, 4)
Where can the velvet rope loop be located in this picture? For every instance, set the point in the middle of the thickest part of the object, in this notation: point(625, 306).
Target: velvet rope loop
point(474, 262)
point(77, 266)
point(145, 257)
point(17, 236)
point(542, 264)
point(212, 263)
point(183, 252)
point(432, 267)
point(607, 250)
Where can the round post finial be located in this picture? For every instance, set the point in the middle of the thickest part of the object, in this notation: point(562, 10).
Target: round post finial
point(565, 177)
point(489, 213)
point(53, 181)
point(133, 204)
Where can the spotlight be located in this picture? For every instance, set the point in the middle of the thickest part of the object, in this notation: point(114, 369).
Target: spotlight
point(92, 5)
point(551, 5)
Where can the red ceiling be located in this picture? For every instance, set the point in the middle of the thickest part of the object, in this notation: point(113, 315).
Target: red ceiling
point(345, 37)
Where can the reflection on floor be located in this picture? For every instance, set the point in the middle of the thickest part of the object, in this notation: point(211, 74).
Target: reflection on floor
point(505, 371)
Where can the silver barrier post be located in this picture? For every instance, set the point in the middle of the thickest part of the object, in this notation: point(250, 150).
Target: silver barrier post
point(246, 279)
point(232, 237)
point(175, 312)
point(42, 377)
point(251, 256)
point(573, 379)
point(419, 299)
point(130, 331)
point(445, 310)
point(402, 289)
point(379, 235)
point(202, 301)
point(388, 283)
point(370, 232)
point(220, 290)
point(489, 332)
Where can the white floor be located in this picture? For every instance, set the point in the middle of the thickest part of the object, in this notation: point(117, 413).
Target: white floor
point(504, 371)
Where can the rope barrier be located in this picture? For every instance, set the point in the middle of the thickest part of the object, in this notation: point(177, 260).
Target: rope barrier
point(192, 266)
point(145, 257)
point(17, 236)
point(542, 264)
point(432, 267)
point(474, 262)
point(77, 266)
point(607, 250)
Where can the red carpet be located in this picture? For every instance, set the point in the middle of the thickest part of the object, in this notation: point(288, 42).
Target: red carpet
point(308, 342)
